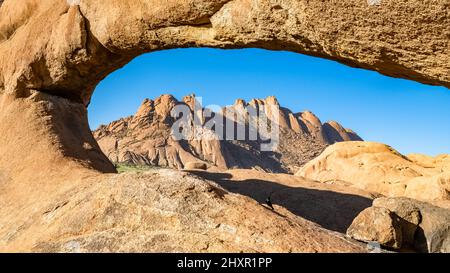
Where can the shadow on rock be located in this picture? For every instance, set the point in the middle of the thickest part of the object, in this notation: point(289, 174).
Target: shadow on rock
point(332, 210)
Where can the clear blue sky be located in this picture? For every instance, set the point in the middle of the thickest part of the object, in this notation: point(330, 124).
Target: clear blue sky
point(409, 116)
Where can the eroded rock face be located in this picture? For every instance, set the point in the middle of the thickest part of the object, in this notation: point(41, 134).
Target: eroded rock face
point(45, 136)
point(66, 49)
point(394, 38)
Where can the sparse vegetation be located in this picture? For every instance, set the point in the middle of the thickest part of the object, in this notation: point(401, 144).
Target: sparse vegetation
point(124, 168)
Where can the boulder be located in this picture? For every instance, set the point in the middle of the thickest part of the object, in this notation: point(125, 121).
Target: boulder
point(195, 166)
point(422, 226)
point(408, 214)
point(376, 224)
point(429, 188)
point(368, 165)
point(433, 234)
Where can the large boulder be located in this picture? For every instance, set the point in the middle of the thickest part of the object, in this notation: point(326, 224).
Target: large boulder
point(376, 224)
point(195, 166)
point(434, 230)
point(408, 214)
point(369, 165)
point(422, 226)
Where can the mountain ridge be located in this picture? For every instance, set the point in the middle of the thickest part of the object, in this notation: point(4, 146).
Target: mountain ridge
point(144, 138)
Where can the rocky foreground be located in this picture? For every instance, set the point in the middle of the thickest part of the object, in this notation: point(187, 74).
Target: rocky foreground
point(165, 210)
point(155, 211)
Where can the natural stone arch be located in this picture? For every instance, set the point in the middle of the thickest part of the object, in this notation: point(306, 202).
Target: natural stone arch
point(52, 55)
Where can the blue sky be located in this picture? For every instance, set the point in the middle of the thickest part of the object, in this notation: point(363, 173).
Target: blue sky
point(411, 117)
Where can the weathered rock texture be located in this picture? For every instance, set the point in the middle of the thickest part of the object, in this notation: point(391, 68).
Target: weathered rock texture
point(403, 222)
point(331, 206)
point(147, 139)
point(441, 162)
point(65, 50)
point(379, 168)
point(52, 56)
point(75, 46)
point(157, 211)
point(377, 225)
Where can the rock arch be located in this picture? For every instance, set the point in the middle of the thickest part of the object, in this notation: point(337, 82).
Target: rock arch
point(54, 52)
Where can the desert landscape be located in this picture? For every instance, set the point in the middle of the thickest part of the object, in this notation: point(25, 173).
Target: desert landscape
point(129, 186)
point(324, 173)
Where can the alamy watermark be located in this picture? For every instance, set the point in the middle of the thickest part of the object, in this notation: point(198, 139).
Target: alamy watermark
point(252, 122)
point(73, 2)
point(374, 2)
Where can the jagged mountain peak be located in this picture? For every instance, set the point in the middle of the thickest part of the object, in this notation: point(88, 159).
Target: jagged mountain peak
point(145, 138)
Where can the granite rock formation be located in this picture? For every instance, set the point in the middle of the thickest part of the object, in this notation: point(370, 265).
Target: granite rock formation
point(402, 223)
point(53, 53)
point(379, 168)
point(65, 49)
point(156, 211)
point(146, 138)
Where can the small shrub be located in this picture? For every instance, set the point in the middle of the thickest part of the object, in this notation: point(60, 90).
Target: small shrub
point(124, 168)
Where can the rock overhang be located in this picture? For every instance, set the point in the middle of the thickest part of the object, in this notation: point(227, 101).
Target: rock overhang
point(65, 49)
